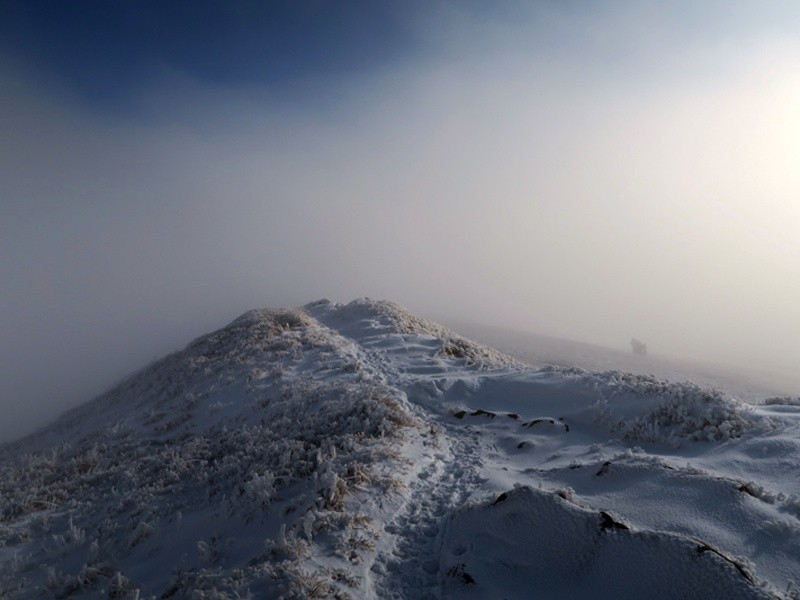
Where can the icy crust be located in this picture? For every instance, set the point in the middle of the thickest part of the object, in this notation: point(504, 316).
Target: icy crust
point(530, 543)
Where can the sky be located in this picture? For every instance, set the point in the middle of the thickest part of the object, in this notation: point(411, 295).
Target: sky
point(591, 170)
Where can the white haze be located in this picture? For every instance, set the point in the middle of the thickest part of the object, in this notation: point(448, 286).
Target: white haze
point(589, 177)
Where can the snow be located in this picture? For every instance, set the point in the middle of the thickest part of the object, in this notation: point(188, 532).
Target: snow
point(527, 542)
point(357, 451)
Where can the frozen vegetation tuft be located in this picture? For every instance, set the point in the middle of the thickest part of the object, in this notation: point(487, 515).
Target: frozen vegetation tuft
point(645, 409)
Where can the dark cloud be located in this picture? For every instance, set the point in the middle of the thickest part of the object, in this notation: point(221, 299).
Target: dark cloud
point(107, 51)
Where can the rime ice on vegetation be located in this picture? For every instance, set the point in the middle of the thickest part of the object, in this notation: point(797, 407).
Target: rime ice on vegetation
point(357, 451)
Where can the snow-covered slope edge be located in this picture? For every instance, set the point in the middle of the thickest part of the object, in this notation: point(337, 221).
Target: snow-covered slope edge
point(262, 458)
point(358, 451)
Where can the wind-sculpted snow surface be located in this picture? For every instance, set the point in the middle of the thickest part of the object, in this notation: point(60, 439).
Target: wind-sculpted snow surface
point(357, 451)
point(528, 543)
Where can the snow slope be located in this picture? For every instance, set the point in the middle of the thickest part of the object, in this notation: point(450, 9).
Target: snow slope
point(745, 382)
point(356, 451)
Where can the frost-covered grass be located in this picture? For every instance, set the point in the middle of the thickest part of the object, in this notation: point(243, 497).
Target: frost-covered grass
point(357, 451)
point(264, 417)
point(363, 318)
point(235, 476)
point(783, 401)
point(674, 412)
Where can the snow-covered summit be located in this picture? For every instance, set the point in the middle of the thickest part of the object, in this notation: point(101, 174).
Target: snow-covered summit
point(357, 451)
point(321, 341)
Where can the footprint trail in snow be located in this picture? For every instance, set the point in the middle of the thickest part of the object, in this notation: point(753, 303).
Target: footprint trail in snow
point(410, 569)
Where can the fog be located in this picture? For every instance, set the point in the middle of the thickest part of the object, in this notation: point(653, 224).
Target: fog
point(590, 176)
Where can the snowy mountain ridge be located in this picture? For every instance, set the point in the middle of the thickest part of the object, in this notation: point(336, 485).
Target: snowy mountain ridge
point(357, 451)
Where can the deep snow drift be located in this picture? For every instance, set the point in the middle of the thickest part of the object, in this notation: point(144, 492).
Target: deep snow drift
point(355, 451)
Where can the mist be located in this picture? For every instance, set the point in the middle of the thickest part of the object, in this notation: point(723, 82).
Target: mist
point(596, 176)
